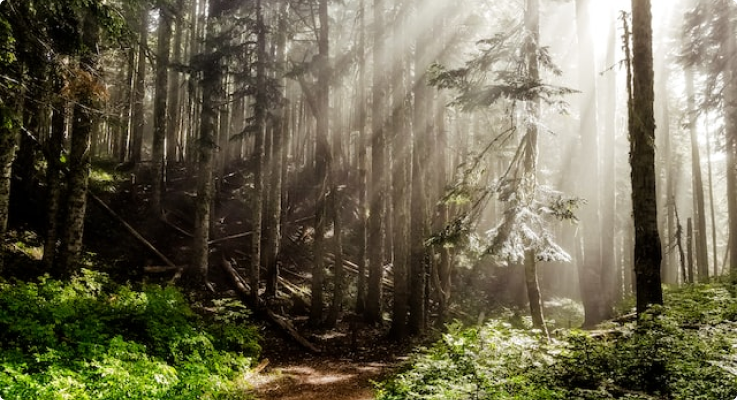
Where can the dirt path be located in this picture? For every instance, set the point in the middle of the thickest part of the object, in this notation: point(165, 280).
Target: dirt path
point(320, 378)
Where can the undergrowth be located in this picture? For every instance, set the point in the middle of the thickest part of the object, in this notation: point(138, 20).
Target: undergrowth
point(90, 338)
point(684, 351)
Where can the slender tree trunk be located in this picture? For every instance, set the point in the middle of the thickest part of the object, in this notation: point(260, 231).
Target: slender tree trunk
point(401, 154)
point(529, 180)
point(323, 163)
point(690, 250)
point(702, 263)
point(53, 178)
point(9, 124)
point(173, 127)
point(715, 256)
point(277, 165)
point(648, 253)
point(418, 205)
point(139, 90)
point(83, 123)
point(362, 162)
point(260, 110)
point(730, 122)
point(160, 107)
point(211, 95)
point(591, 274)
point(378, 178)
point(609, 187)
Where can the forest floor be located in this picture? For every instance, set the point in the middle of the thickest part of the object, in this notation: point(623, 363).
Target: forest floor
point(340, 372)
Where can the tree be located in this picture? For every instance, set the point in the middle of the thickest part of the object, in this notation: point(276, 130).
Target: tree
point(161, 98)
point(209, 65)
point(648, 253)
point(378, 180)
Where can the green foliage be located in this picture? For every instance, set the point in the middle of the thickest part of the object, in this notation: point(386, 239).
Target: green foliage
point(93, 339)
point(687, 350)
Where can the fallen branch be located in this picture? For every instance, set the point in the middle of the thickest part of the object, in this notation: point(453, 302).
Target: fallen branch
point(287, 326)
point(165, 220)
point(244, 289)
point(224, 239)
point(133, 232)
point(158, 269)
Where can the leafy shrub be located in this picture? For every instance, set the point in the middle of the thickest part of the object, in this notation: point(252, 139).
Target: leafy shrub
point(685, 351)
point(92, 339)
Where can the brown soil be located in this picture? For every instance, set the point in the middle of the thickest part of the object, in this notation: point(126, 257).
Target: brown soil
point(320, 378)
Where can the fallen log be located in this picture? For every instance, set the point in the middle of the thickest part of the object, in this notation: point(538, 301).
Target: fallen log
point(224, 239)
point(133, 232)
point(287, 326)
point(165, 220)
point(158, 269)
point(244, 289)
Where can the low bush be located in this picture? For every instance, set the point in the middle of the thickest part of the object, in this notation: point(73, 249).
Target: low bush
point(90, 338)
point(685, 351)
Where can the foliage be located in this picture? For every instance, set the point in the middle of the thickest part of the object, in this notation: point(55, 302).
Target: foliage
point(93, 339)
point(687, 350)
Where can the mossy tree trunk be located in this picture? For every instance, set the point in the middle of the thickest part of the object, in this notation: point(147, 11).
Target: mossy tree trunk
point(648, 252)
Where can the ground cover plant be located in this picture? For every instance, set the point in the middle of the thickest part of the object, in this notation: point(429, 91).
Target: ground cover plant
point(90, 338)
point(686, 350)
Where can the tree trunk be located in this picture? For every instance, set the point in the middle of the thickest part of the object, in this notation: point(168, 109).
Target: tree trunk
point(260, 110)
point(418, 205)
point(173, 127)
point(591, 274)
point(84, 119)
point(648, 253)
point(139, 90)
point(53, 178)
point(9, 125)
point(211, 94)
point(362, 162)
point(609, 195)
point(378, 178)
point(690, 250)
point(702, 258)
point(160, 108)
point(730, 127)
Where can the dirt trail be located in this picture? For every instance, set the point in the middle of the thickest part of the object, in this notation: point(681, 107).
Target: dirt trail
point(321, 378)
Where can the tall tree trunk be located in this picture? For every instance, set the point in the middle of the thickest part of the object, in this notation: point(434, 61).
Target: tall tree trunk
point(712, 206)
point(160, 107)
point(401, 153)
point(53, 177)
point(609, 187)
point(378, 178)
point(702, 258)
point(730, 125)
point(591, 274)
point(211, 96)
point(139, 89)
point(362, 162)
point(9, 124)
point(323, 162)
point(648, 253)
point(422, 132)
point(88, 85)
point(173, 127)
point(260, 110)
point(529, 180)
point(277, 165)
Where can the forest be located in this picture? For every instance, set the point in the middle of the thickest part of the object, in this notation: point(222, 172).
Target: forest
point(368, 199)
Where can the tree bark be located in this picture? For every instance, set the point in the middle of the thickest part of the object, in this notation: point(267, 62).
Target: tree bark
point(88, 89)
point(139, 90)
point(378, 179)
point(648, 252)
point(591, 270)
point(702, 259)
point(211, 94)
point(160, 108)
